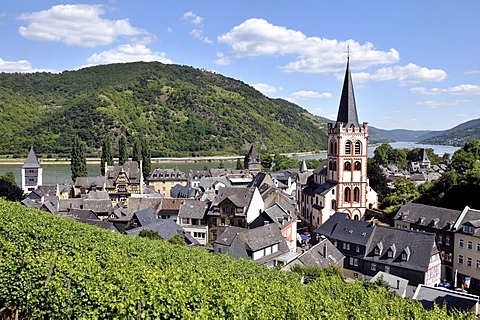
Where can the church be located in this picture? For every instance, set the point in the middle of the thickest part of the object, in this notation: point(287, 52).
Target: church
point(340, 184)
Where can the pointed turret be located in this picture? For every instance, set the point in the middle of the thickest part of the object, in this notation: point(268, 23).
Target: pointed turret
point(347, 111)
point(303, 167)
point(252, 160)
point(32, 161)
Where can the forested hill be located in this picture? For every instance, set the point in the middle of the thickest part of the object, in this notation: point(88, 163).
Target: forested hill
point(456, 136)
point(180, 110)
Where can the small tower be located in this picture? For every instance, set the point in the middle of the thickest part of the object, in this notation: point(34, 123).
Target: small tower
point(252, 160)
point(32, 173)
point(423, 160)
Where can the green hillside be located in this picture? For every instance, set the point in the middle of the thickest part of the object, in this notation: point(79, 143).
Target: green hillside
point(56, 268)
point(181, 111)
point(456, 136)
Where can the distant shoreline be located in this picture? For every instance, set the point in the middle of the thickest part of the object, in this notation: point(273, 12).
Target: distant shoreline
point(47, 161)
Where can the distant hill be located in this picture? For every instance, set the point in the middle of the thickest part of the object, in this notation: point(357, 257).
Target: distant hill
point(181, 110)
point(456, 136)
point(386, 136)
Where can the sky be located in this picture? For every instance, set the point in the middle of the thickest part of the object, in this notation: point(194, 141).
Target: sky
point(415, 64)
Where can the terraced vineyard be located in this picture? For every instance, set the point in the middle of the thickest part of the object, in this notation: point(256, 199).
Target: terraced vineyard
point(55, 268)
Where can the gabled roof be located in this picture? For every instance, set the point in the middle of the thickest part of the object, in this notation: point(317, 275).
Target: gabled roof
point(434, 217)
point(319, 189)
point(252, 155)
point(340, 227)
point(193, 209)
point(428, 296)
point(347, 110)
point(145, 217)
point(32, 161)
point(322, 254)
point(254, 239)
point(166, 229)
point(130, 168)
point(88, 182)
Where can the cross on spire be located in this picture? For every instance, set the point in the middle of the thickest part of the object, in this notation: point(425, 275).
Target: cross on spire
point(348, 52)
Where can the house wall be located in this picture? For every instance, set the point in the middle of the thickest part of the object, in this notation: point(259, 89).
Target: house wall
point(255, 207)
point(462, 254)
point(164, 186)
point(199, 232)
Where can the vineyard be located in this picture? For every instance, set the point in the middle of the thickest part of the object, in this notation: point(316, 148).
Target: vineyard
point(56, 268)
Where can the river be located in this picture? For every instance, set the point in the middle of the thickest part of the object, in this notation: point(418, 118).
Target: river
point(60, 173)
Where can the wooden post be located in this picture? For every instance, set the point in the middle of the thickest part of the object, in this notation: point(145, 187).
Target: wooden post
point(139, 310)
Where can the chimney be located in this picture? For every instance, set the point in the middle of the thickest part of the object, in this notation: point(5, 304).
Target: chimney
point(398, 284)
point(325, 250)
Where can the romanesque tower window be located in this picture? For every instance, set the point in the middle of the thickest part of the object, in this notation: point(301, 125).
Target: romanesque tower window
point(347, 194)
point(358, 147)
point(348, 147)
point(348, 166)
point(357, 166)
point(356, 194)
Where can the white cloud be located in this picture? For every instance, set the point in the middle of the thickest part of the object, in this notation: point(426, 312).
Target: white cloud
point(266, 88)
point(21, 66)
point(77, 25)
point(410, 73)
point(222, 60)
point(462, 89)
point(128, 53)
point(436, 104)
point(303, 95)
point(198, 31)
point(258, 37)
point(472, 72)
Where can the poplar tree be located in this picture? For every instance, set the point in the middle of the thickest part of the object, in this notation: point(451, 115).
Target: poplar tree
point(137, 150)
point(78, 161)
point(107, 155)
point(122, 150)
point(146, 158)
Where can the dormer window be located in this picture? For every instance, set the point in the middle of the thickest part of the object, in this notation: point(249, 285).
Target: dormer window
point(406, 254)
point(468, 229)
point(378, 249)
point(391, 251)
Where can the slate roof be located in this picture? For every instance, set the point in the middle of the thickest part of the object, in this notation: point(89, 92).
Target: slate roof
point(88, 182)
point(395, 284)
point(320, 189)
point(193, 209)
point(98, 206)
point(252, 155)
point(207, 183)
point(140, 203)
point(340, 227)
point(160, 174)
point(82, 214)
point(131, 169)
point(166, 229)
point(32, 161)
point(433, 217)
point(347, 110)
point(179, 191)
point(420, 245)
point(239, 196)
point(428, 296)
point(471, 217)
point(145, 217)
point(315, 255)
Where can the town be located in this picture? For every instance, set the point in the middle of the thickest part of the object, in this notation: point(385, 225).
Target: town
point(323, 217)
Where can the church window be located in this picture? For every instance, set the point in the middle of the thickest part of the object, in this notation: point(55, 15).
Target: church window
point(331, 146)
point(334, 165)
point(356, 194)
point(357, 166)
point(334, 204)
point(330, 165)
point(348, 166)
point(358, 147)
point(335, 148)
point(348, 147)
point(347, 194)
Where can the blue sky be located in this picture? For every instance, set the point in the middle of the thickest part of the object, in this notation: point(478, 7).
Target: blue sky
point(415, 64)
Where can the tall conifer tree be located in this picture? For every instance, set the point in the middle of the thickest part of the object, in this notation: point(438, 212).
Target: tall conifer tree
point(122, 150)
point(78, 161)
point(107, 155)
point(137, 150)
point(146, 158)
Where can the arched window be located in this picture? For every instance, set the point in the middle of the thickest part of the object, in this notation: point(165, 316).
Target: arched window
point(330, 165)
point(334, 204)
point(356, 194)
point(334, 165)
point(335, 151)
point(356, 217)
point(347, 194)
point(348, 147)
point(331, 146)
point(357, 166)
point(347, 166)
point(358, 147)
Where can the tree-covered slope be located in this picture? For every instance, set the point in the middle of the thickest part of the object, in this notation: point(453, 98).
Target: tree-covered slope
point(181, 110)
point(456, 136)
point(56, 268)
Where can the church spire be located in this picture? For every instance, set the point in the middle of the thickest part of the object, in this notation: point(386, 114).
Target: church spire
point(347, 110)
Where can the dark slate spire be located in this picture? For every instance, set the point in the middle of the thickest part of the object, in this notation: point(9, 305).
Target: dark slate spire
point(31, 161)
point(347, 111)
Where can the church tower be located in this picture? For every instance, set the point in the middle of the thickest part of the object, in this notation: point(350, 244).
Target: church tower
point(32, 173)
point(252, 161)
point(348, 156)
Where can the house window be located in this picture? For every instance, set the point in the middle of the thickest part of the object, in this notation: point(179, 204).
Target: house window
point(351, 261)
point(478, 264)
point(448, 257)
point(469, 262)
point(460, 259)
point(469, 245)
point(334, 204)
point(373, 267)
point(185, 221)
point(358, 147)
point(390, 253)
point(478, 247)
point(387, 269)
point(335, 243)
point(440, 239)
point(357, 249)
point(376, 251)
point(447, 240)
point(460, 243)
point(347, 166)
point(355, 262)
point(357, 166)
point(348, 246)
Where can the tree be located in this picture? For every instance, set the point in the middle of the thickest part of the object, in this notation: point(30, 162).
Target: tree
point(221, 165)
point(136, 150)
point(78, 161)
point(377, 180)
point(107, 155)
point(9, 176)
point(150, 234)
point(122, 150)
point(239, 165)
point(9, 190)
point(177, 239)
point(146, 158)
